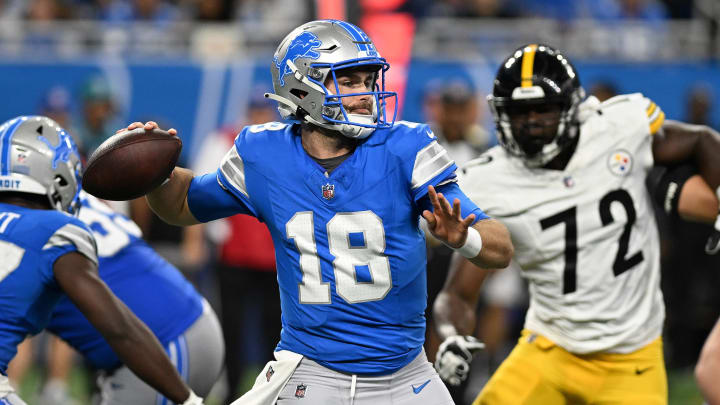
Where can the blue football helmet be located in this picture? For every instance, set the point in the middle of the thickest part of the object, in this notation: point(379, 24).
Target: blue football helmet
point(311, 54)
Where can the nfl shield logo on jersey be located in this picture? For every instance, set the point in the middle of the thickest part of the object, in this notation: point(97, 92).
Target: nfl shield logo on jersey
point(620, 162)
point(328, 191)
point(269, 373)
point(300, 391)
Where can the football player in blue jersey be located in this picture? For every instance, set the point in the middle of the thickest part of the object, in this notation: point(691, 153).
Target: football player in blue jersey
point(341, 187)
point(158, 294)
point(45, 252)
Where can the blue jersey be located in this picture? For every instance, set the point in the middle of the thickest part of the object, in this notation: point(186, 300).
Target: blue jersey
point(350, 255)
point(31, 240)
point(151, 287)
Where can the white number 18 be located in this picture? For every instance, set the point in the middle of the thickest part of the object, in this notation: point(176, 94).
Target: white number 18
point(312, 290)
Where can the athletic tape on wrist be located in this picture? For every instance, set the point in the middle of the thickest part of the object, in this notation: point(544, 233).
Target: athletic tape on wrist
point(472, 245)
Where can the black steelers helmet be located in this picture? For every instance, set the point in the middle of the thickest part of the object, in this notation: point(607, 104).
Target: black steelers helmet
point(535, 75)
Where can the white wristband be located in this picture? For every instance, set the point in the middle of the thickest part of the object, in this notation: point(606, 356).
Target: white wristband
point(717, 220)
point(193, 399)
point(472, 244)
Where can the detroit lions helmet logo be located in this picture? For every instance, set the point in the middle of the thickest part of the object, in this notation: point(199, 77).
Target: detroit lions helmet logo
point(303, 46)
point(63, 149)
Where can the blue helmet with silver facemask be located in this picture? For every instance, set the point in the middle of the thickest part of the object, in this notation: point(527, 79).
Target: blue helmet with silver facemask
point(315, 52)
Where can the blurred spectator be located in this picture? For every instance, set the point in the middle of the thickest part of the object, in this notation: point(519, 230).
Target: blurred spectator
point(562, 10)
point(48, 10)
point(603, 90)
point(98, 120)
point(273, 12)
point(464, 8)
point(12, 9)
point(56, 105)
point(488, 8)
point(158, 12)
point(699, 105)
point(249, 296)
point(456, 122)
point(612, 10)
point(680, 8)
point(211, 10)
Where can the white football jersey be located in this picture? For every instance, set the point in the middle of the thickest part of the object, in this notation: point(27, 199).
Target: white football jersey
point(585, 236)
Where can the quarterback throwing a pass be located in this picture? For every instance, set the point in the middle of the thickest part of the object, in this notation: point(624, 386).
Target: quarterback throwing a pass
point(569, 183)
point(341, 188)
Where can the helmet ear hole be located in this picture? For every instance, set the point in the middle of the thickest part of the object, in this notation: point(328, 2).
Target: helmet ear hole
point(61, 181)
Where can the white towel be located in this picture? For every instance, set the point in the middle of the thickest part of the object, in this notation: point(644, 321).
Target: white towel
point(271, 380)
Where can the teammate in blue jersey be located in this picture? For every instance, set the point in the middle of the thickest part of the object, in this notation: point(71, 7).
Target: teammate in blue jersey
point(45, 252)
point(158, 294)
point(342, 191)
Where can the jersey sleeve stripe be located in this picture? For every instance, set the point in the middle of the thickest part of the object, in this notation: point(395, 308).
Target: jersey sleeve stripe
point(448, 181)
point(74, 235)
point(429, 162)
point(233, 168)
point(651, 109)
point(657, 123)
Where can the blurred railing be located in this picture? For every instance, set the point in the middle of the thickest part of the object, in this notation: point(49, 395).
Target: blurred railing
point(691, 40)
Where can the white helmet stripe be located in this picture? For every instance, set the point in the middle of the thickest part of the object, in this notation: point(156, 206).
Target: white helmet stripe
point(5, 145)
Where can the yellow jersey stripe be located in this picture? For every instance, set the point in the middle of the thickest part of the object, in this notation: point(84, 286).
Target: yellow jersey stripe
point(651, 109)
point(657, 123)
point(528, 61)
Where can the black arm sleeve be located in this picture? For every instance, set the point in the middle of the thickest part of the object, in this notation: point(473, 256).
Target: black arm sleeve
point(664, 185)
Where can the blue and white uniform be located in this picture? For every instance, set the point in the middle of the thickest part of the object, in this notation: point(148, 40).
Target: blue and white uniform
point(156, 292)
point(350, 255)
point(31, 240)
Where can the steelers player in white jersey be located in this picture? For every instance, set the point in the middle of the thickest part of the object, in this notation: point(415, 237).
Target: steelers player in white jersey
point(568, 180)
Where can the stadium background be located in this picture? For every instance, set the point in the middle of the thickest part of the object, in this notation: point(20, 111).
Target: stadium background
point(198, 65)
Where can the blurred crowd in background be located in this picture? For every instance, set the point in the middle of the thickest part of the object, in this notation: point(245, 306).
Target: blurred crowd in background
point(232, 262)
point(168, 11)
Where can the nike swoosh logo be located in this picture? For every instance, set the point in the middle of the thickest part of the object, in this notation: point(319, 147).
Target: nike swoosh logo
point(639, 371)
point(417, 389)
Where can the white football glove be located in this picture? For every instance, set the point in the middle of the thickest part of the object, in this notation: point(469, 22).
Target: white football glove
point(454, 356)
point(193, 399)
point(713, 243)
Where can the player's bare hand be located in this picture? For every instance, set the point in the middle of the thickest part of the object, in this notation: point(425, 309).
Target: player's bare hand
point(445, 222)
point(149, 126)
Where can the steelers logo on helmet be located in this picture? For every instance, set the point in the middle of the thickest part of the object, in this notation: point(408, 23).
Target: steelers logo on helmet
point(535, 100)
point(305, 69)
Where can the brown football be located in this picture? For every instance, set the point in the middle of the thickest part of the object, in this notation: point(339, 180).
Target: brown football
point(130, 164)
